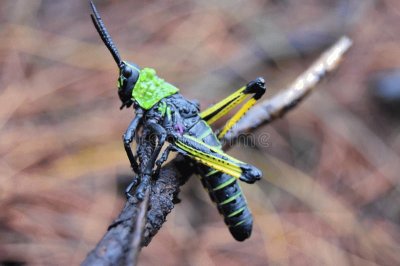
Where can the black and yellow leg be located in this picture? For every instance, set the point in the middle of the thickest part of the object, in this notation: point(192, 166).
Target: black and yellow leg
point(255, 87)
point(221, 108)
point(215, 112)
point(217, 159)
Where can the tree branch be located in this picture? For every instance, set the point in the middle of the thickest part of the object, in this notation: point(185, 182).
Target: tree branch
point(113, 248)
point(276, 107)
point(136, 245)
point(122, 235)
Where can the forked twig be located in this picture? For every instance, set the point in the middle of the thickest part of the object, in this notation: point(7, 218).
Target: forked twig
point(116, 246)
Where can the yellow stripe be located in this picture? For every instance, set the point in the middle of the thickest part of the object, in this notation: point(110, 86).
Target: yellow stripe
point(211, 172)
point(219, 167)
point(226, 183)
point(236, 212)
point(221, 104)
point(239, 223)
point(236, 117)
point(230, 199)
point(208, 157)
point(214, 149)
point(226, 109)
point(229, 168)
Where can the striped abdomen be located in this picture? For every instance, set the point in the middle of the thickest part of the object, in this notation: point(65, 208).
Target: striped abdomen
point(224, 189)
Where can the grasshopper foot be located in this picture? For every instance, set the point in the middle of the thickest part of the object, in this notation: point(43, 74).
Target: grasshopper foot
point(257, 87)
point(141, 190)
point(250, 174)
point(133, 184)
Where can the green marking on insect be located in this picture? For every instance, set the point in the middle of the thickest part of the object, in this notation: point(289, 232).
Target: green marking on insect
point(226, 183)
point(236, 212)
point(169, 116)
point(150, 89)
point(212, 172)
point(162, 108)
point(230, 199)
point(239, 223)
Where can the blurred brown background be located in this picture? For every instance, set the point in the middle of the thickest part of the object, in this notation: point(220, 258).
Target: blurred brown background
point(330, 194)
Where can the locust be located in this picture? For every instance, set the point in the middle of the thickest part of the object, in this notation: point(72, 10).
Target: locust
point(176, 124)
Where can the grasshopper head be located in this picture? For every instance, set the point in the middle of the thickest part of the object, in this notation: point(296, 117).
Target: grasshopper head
point(141, 87)
point(128, 76)
point(128, 72)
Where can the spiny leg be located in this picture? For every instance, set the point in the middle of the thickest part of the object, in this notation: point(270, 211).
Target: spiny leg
point(127, 139)
point(162, 159)
point(217, 159)
point(220, 109)
point(147, 170)
point(249, 173)
point(255, 87)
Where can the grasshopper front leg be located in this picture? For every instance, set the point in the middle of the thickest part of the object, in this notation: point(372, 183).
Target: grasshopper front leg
point(127, 139)
point(148, 162)
point(162, 159)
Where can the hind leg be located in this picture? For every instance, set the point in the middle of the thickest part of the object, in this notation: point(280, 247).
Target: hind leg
point(217, 159)
point(256, 88)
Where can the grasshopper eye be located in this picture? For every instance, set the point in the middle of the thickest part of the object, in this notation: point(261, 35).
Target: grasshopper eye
point(127, 71)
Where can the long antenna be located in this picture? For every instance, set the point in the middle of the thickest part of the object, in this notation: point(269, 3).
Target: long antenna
point(105, 36)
